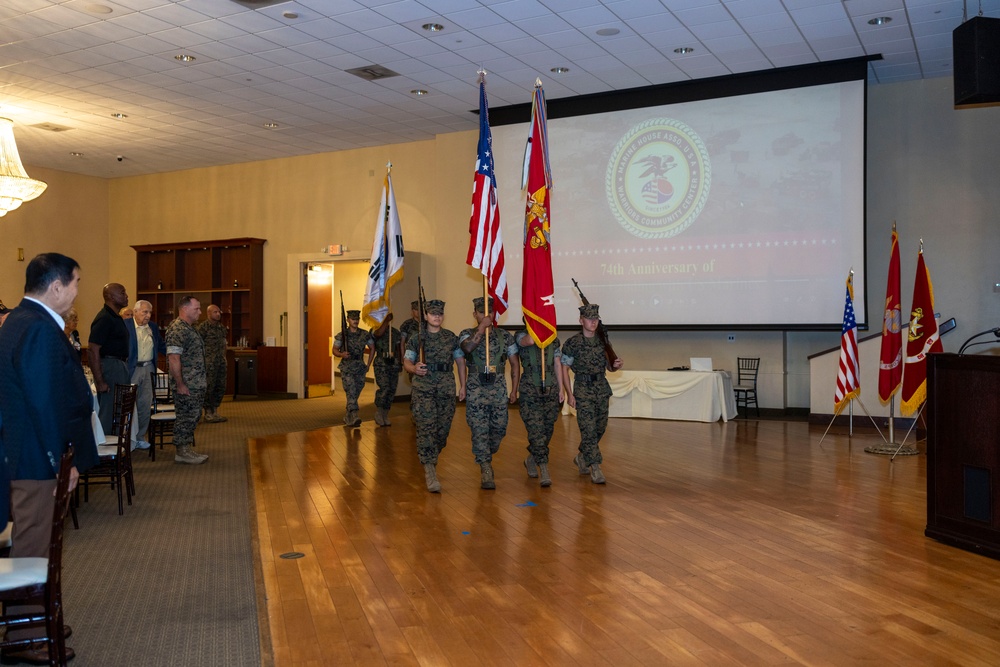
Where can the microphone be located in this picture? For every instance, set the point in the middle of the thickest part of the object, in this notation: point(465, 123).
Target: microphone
point(995, 331)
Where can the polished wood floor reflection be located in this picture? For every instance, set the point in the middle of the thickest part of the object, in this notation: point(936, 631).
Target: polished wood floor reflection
point(745, 543)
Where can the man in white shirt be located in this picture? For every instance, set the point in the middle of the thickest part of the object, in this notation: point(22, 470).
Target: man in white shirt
point(145, 343)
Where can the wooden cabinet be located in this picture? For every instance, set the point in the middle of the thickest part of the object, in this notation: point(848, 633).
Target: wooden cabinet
point(227, 272)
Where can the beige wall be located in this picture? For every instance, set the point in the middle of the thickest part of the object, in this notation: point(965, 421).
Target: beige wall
point(70, 217)
point(930, 168)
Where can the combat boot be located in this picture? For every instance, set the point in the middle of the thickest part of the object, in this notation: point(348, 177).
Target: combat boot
point(356, 421)
point(431, 478)
point(529, 465)
point(584, 468)
point(596, 476)
point(543, 472)
point(385, 417)
point(487, 481)
point(186, 455)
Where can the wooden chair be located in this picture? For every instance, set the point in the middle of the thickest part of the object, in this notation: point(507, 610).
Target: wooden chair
point(116, 454)
point(746, 383)
point(24, 580)
point(161, 420)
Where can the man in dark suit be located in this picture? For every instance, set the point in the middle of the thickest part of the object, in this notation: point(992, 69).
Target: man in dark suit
point(46, 406)
point(144, 345)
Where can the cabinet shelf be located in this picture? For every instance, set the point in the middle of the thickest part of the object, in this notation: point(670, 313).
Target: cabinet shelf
point(227, 272)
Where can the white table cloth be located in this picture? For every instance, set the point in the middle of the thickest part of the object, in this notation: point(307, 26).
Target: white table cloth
point(683, 395)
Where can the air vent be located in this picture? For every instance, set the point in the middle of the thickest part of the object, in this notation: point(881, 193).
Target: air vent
point(51, 127)
point(372, 72)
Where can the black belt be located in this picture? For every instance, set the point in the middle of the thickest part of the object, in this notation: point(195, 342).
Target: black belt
point(111, 356)
point(588, 377)
point(438, 367)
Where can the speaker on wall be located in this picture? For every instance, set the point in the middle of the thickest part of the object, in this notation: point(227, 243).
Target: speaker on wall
point(976, 56)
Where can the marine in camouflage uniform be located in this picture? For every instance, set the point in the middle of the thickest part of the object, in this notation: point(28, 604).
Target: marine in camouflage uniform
point(387, 367)
point(486, 388)
point(352, 366)
point(410, 327)
point(432, 400)
point(584, 353)
point(214, 333)
point(186, 361)
point(539, 405)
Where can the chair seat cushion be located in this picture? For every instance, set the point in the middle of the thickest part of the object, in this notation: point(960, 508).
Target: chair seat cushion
point(18, 572)
point(163, 416)
point(107, 450)
point(744, 387)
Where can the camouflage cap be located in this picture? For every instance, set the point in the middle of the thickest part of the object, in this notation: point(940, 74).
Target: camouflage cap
point(354, 314)
point(590, 311)
point(415, 305)
point(435, 307)
point(477, 304)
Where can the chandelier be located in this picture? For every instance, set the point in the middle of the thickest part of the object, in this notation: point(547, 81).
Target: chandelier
point(15, 186)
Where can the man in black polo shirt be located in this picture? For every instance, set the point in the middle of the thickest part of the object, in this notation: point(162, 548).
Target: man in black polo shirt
point(107, 350)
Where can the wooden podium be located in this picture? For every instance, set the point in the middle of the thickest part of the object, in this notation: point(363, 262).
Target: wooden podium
point(963, 452)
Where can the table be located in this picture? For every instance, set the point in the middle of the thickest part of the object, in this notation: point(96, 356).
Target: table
point(684, 395)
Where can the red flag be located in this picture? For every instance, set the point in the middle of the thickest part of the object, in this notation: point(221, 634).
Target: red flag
point(848, 376)
point(486, 245)
point(537, 290)
point(922, 339)
point(890, 367)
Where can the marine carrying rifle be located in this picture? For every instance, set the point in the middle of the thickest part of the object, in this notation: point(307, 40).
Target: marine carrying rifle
point(602, 331)
point(343, 320)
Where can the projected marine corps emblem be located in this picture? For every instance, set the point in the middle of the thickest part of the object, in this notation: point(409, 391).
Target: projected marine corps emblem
point(658, 178)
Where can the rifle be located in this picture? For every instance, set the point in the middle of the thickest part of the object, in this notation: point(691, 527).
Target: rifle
point(343, 322)
point(602, 331)
point(423, 322)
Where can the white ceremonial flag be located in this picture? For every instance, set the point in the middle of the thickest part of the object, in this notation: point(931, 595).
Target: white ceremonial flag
point(386, 268)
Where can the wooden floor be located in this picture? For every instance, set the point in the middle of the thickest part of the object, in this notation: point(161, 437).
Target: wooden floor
point(745, 543)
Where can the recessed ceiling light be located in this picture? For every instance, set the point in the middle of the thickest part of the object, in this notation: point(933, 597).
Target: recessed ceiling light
point(879, 20)
point(119, 116)
point(271, 125)
point(432, 27)
point(419, 92)
point(608, 32)
point(95, 8)
point(185, 58)
point(76, 154)
point(559, 70)
point(290, 15)
point(684, 49)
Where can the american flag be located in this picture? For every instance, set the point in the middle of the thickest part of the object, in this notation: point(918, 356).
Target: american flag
point(486, 244)
point(848, 377)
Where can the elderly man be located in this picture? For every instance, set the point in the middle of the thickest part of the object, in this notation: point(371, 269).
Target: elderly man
point(46, 405)
point(186, 360)
point(144, 344)
point(213, 332)
point(107, 350)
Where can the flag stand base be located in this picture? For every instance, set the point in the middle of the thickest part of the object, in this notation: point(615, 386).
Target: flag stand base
point(891, 447)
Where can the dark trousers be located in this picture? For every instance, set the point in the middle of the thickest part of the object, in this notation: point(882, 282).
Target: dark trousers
point(115, 372)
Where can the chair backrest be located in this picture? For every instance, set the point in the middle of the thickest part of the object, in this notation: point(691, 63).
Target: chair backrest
point(121, 420)
point(162, 393)
point(58, 517)
point(746, 370)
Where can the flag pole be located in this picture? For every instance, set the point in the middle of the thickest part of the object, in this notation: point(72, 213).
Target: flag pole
point(487, 313)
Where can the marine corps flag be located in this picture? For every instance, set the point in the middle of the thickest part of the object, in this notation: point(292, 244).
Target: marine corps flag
point(890, 367)
point(386, 267)
point(537, 290)
point(922, 339)
point(486, 244)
